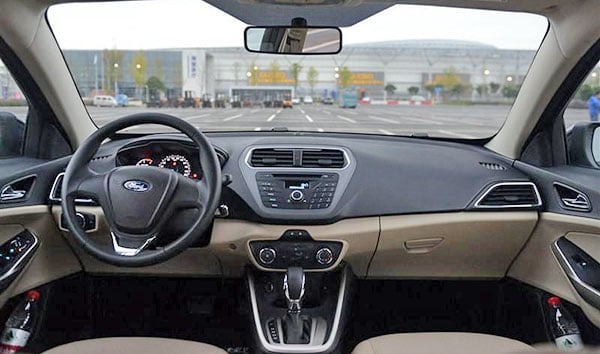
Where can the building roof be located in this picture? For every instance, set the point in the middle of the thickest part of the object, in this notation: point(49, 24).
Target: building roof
point(424, 44)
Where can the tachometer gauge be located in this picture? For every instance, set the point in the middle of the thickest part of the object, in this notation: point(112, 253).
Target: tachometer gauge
point(176, 163)
point(145, 162)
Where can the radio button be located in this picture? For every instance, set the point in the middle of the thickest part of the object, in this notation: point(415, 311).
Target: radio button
point(296, 196)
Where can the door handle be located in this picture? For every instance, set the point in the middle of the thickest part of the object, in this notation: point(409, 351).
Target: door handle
point(8, 193)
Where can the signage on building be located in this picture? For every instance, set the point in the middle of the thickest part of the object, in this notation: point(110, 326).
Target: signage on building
point(361, 79)
point(193, 66)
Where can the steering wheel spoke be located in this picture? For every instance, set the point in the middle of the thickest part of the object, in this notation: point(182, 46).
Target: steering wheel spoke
point(85, 183)
point(129, 246)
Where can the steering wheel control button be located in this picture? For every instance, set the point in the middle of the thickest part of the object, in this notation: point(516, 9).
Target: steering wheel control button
point(324, 256)
point(267, 255)
point(296, 196)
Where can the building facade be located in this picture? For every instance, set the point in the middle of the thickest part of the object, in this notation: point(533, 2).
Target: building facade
point(369, 68)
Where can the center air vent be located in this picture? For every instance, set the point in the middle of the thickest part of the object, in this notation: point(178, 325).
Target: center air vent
point(269, 157)
point(510, 195)
point(325, 158)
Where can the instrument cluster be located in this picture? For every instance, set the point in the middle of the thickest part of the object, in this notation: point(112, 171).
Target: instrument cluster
point(179, 157)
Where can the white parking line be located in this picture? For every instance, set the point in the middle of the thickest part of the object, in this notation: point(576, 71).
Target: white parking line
point(386, 132)
point(320, 130)
point(232, 117)
point(447, 132)
point(196, 116)
point(346, 119)
point(384, 119)
point(326, 112)
point(309, 118)
point(254, 110)
point(301, 110)
point(272, 117)
point(257, 129)
point(353, 113)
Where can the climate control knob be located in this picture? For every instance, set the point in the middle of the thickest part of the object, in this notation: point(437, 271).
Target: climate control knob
point(296, 196)
point(324, 256)
point(267, 255)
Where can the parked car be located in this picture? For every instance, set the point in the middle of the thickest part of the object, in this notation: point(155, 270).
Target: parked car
point(308, 100)
point(105, 101)
point(327, 101)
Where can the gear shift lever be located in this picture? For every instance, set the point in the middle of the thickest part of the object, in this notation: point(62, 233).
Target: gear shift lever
point(293, 287)
point(296, 328)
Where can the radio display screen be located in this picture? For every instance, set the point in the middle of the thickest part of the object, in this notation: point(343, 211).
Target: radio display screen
point(297, 184)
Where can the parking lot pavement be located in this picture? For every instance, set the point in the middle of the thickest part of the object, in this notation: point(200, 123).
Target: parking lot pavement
point(444, 121)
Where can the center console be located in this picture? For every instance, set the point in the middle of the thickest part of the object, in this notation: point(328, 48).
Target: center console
point(297, 311)
point(299, 287)
point(299, 293)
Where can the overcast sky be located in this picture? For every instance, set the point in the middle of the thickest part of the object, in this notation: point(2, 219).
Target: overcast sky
point(194, 24)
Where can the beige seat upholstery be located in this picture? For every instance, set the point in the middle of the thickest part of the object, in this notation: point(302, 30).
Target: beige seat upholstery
point(135, 345)
point(441, 343)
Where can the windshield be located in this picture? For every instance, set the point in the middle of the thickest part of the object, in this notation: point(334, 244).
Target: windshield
point(408, 70)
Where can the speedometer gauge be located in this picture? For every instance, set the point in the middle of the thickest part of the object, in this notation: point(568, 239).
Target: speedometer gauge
point(176, 163)
point(145, 162)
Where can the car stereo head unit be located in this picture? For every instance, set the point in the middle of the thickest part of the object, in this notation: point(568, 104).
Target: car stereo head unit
point(296, 191)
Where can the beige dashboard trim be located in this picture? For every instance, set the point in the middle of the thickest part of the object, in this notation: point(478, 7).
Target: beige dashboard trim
point(230, 240)
point(452, 245)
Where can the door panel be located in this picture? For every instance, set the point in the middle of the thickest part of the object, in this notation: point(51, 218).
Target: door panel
point(537, 264)
point(53, 259)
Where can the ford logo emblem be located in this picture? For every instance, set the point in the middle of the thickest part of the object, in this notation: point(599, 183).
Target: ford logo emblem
point(136, 186)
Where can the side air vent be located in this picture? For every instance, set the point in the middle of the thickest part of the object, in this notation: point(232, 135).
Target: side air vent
point(325, 158)
point(492, 166)
point(269, 157)
point(57, 188)
point(510, 195)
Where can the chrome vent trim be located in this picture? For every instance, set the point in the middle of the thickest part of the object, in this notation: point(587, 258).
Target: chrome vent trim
point(298, 151)
point(322, 158)
point(536, 194)
point(272, 157)
point(55, 191)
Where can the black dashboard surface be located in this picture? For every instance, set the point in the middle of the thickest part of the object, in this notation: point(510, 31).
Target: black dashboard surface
point(391, 176)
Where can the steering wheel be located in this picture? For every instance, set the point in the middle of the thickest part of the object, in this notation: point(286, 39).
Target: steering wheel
point(137, 201)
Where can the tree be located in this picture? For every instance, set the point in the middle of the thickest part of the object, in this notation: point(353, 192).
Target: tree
point(344, 77)
point(113, 67)
point(458, 89)
point(312, 77)
point(295, 70)
point(510, 91)
point(494, 87)
point(389, 89)
point(154, 84)
point(273, 71)
point(138, 68)
point(413, 90)
point(586, 91)
point(482, 90)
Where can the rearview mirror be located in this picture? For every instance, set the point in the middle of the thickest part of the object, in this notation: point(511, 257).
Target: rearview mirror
point(293, 40)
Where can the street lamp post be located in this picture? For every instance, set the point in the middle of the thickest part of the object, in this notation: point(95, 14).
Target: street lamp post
point(138, 67)
point(116, 66)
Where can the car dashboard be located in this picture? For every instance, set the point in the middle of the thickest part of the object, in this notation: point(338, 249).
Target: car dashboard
point(387, 206)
